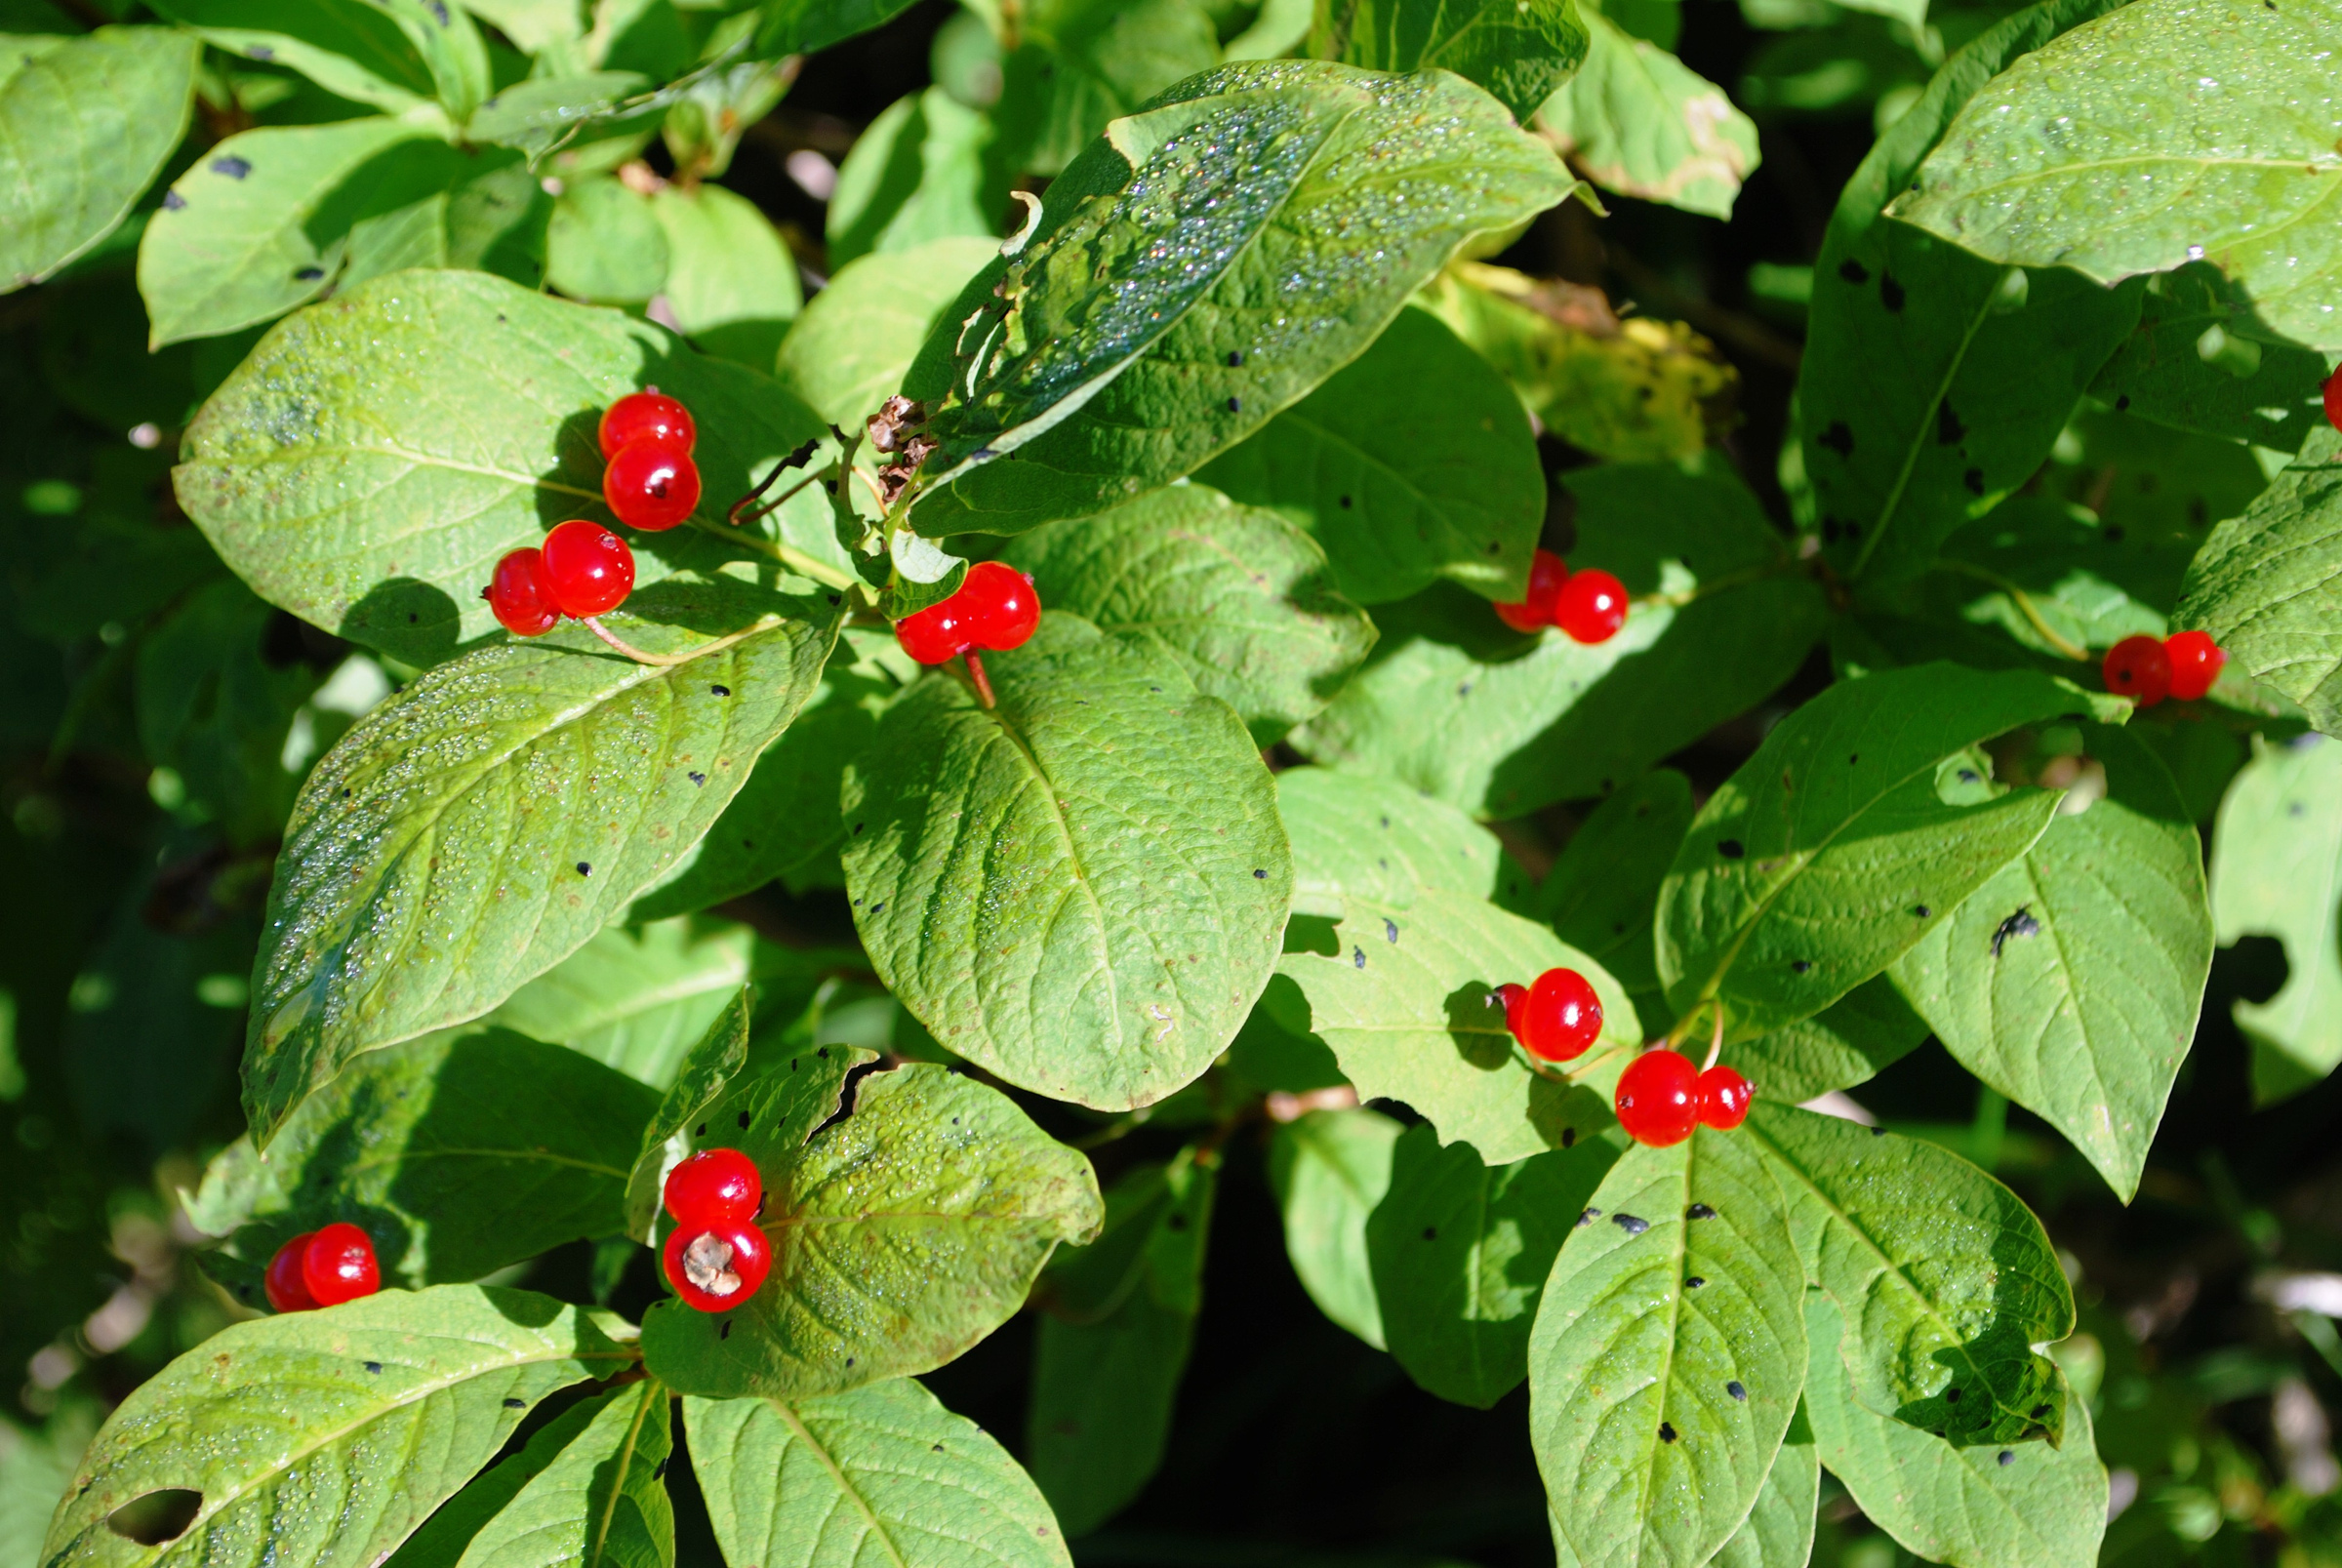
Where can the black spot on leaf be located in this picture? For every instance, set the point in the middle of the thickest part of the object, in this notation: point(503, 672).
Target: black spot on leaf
point(721, 691)
point(517, 1404)
point(1389, 931)
point(1631, 1224)
point(1731, 849)
point(1798, 966)
point(2020, 924)
point(697, 778)
point(1357, 956)
point(172, 201)
point(1736, 1391)
point(584, 868)
point(1877, 1132)
point(1260, 875)
point(230, 165)
point(1948, 428)
point(723, 1330)
point(1693, 1283)
point(1569, 1136)
point(744, 1118)
point(1666, 1432)
point(1837, 438)
point(1699, 1211)
point(375, 1367)
point(1587, 1217)
point(1919, 910)
point(1974, 480)
point(1235, 405)
point(1853, 271)
point(1891, 293)
point(1430, 1232)
point(2007, 1457)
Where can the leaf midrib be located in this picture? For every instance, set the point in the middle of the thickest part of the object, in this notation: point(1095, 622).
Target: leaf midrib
point(838, 1474)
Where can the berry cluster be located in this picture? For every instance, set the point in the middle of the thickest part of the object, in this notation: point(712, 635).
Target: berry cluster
point(994, 608)
point(2184, 665)
point(1662, 1097)
point(323, 1268)
point(583, 569)
point(1556, 1018)
point(715, 1258)
point(1590, 606)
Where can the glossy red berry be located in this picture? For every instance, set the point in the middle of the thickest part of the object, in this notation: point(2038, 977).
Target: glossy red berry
point(1003, 608)
point(287, 1293)
point(2333, 400)
point(2195, 662)
point(938, 633)
point(1561, 1018)
point(714, 1186)
point(650, 414)
point(1548, 573)
point(338, 1266)
point(1591, 606)
point(1514, 1000)
point(520, 597)
point(2137, 668)
point(651, 483)
point(1658, 1098)
point(716, 1268)
point(588, 571)
point(1723, 1097)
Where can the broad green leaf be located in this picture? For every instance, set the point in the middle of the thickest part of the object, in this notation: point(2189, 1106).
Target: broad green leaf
point(451, 47)
point(216, 709)
point(2277, 872)
point(804, 26)
point(324, 1438)
point(1934, 382)
point(1410, 465)
point(1460, 1252)
point(1520, 52)
point(900, 1234)
point(1602, 894)
point(2071, 979)
point(2268, 584)
point(848, 351)
point(881, 1476)
point(1235, 596)
point(1946, 1279)
point(2165, 373)
point(1859, 825)
point(84, 127)
point(922, 170)
point(449, 1532)
point(1642, 123)
point(600, 1501)
point(35, 1466)
point(1467, 710)
point(709, 109)
point(482, 825)
point(1329, 1169)
point(1778, 1531)
point(714, 1060)
point(1668, 1355)
point(2015, 1506)
point(354, 47)
point(535, 26)
point(459, 1154)
point(1848, 1042)
point(1200, 269)
point(606, 245)
point(637, 997)
point(493, 220)
point(1079, 65)
point(1406, 998)
point(377, 504)
point(538, 114)
point(1082, 889)
point(2123, 148)
point(731, 284)
point(1357, 836)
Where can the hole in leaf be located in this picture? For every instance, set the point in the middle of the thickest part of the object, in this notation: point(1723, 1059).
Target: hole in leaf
point(156, 1517)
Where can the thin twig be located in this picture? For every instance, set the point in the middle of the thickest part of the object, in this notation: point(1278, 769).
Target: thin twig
point(593, 625)
point(794, 460)
point(984, 687)
point(2024, 603)
point(1716, 1046)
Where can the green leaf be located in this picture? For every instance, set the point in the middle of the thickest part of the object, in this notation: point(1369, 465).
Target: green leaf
point(2017, 1507)
point(465, 795)
point(1235, 596)
point(849, 350)
point(900, 1234)
point(1464, 709)
point(637, 997)
point(492, 219)
point(1520, 53)
point(2268, 584)
point(600, 1501)
point(2162, 371)
point(451, 46)
point(1081, 63)
point(1407, 999)
point(83, 129)
point(1946, 1279)
point(715, 1058)
point(322, 1439)
point(1460, 1251)
point(1779, 1530)
point(449, 1532)
point(606, 245)
point(1082, 889)
point(1357, 836)
point(376, 505)
point(2120, 150)
point(539, 114)
point(1328, 1170)
point(1644, 1386)
point(214, 707)
point(1602, 894)
point(2277, 872)
point(1410, 465)
point(805, 26)
point(459, 1154)
point(1103, 365)
point(881, 1474)
point(1642, 123)
point(354, 47)
point(1935, 382)
point(731, 284)
point(1848, 1042)
point(922, 170)
point(2070, 981)
point(1853, 832)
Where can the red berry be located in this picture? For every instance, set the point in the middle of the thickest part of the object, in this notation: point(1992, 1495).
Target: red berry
point(650, 414)
point(1561, 1017)
point(1548, 571)
point(287, 1293)
point(714, 1186)
point(1723, 1097)
point(1516, 998)
point(938, 633)
point(718, 1268)
point(1658, 1098)
point(518, 596)
point(338, 1266)
point(2195, 662)
point(2137, 668)
point(588, 569)
point(1591, 606)
point(2333, 399)
point(1002, 608)
point(651, 483)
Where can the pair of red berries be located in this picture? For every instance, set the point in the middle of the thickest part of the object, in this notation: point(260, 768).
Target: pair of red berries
point(650, 482)
point(2184, 665)
point(323, 1268)
point(1556, 1018)
point(1661, 1097)
point(1588, 606)
point(995, 606)
point(715, 1258)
